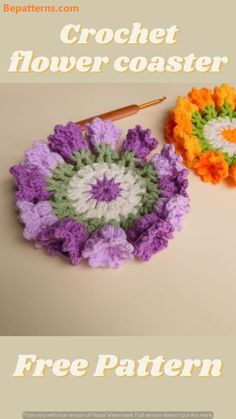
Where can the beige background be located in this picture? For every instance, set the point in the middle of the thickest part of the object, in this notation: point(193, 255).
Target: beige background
point(188, 289)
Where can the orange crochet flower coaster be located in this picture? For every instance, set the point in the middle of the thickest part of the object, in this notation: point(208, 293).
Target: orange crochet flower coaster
point(202, 127)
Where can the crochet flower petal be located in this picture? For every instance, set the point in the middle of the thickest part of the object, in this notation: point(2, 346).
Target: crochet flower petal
point(201, 97)
point(108, 248)
point(212, 167)
point(35, 217)
point(65, 238)
point(102, 132)
point(182, 114)
point(232, 174)
point(41, 157)
point(173, 202)
point(173, 176)
point(167, 163)
point(140, 142)
point(173, 210)
point(225, 94)
point(173, 185)
point(67, 139)
point(30, 182)
point(149, 235)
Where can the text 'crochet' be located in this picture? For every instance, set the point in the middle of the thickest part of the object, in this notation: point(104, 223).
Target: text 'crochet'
point(82, 199)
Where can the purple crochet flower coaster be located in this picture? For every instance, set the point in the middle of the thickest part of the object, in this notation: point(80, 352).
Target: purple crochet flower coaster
point(81, 199)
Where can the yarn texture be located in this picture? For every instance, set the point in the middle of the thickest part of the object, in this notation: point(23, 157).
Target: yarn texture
point(80, 198)
point(202, 127)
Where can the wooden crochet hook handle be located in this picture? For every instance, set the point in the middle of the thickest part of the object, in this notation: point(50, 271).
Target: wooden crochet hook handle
point(122, 112)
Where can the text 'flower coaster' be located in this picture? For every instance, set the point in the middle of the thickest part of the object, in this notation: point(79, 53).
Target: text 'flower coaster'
point(81, 199)
point(203, 128)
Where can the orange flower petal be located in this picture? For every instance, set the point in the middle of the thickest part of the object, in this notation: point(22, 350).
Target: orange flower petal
point(184, 105)
point(186, 145)
point(232, 174)
point(224, 93)
point(201, 97)
point(182, 114)
point(170, 129)
point(212, 167)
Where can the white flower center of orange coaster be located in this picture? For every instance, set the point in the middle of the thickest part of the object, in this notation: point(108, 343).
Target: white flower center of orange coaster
point(220, 133)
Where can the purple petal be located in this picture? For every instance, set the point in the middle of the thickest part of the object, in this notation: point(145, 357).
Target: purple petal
point(139, 142)
point(65, 238)
point(35, 217)
point(67, 139)
point(30, 182)
point(172, 175)
point(108, 247)
point(173, 210)
point(149, 235)
point(41, 157)
point(102, 132)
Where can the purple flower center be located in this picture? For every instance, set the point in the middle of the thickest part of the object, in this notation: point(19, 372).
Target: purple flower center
point(105, 189)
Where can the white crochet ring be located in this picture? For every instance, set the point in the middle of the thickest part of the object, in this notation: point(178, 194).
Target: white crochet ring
point(214, 132)
point(128, 201)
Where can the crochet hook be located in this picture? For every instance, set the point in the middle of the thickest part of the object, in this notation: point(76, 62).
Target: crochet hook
point(123, 112)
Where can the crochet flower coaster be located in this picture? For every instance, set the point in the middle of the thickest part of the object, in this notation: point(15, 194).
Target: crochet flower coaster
point(203, 128)
point(80, 198)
